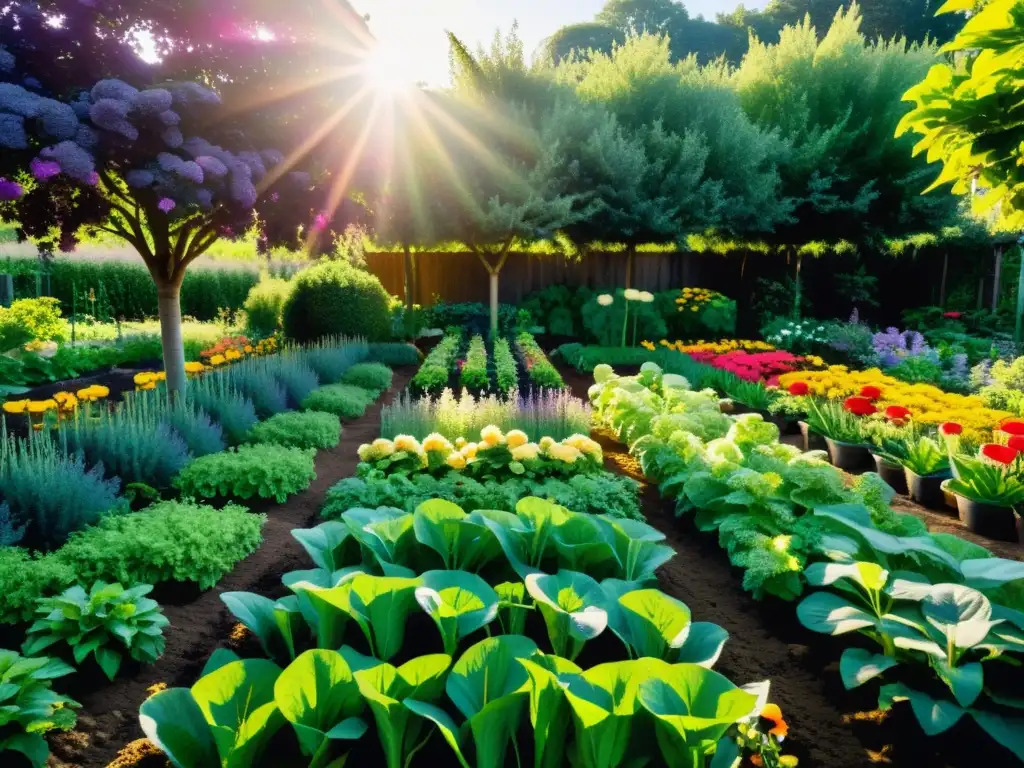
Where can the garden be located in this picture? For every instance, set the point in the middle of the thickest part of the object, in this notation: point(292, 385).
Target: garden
point(730, 490)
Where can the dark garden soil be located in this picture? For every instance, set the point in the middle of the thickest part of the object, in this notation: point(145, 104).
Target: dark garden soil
point(109, 719)
point(829, 726)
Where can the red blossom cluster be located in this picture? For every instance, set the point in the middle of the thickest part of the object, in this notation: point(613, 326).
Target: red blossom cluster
point(752, 366)
point(237, 343)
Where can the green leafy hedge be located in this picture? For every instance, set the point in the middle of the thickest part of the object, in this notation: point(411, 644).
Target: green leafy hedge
point(343, 400)
point(374, 377)
point(336, 299)
point(301, 429)
point(268, 471)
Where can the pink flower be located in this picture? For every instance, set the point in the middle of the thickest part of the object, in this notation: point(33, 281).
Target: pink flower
point(952, 315)
point(274, 197)
point(44, 170)
point(166, 205)
point(320, 222)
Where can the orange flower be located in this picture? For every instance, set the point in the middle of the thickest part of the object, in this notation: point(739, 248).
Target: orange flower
point(773, 713)
point(756, 760)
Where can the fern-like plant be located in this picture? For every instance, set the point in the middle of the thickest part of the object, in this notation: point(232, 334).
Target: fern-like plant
point(305, 429)
point(267, 471)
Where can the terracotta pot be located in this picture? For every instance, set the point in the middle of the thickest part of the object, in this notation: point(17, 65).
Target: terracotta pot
point(926, 490)
point(849, 457)
point(812, 440)
point(989, 520)
point(893, 474)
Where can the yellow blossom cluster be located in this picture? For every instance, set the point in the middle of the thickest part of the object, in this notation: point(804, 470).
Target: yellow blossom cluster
point(63, 403)
point(147, 380)
point(927, 403)
point(716, 347)
point(694, 298)
point(91, 393)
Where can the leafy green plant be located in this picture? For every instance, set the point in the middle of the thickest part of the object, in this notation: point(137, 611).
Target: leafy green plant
point(168, 541)
point(506, 372)
point(987, 482)
point(235, 412)
point(923, 456)
point(268, 471)
point(394, 353)
point(334, 298)
point(572, 606)
point(433, 375)
point(586, 358)
point(275, 623)
point(343, 400)
point(540, 370)
point(380, 606)
point(460, 603)
point(462, 542)
point(25, 578)
point(307, 429)
point(105, 622)
point(474, 369)
point(264, 303)
point(373, 377)
point(833, 421)
point(330, 357)
point(30, 708)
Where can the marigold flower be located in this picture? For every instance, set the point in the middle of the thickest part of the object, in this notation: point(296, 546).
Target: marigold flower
point(407, 443)
point(516, 438)
point(42, 406)
point(437, 442)
point(365, 451)
point(491, 435)
point(631, 294)
point(16, 406)
point(217, 360)
point(564, 453)
point(382, 447)
point(460, 443)
point(546, 442)
point(456, 460)
point(143, 378)
point(469, 450)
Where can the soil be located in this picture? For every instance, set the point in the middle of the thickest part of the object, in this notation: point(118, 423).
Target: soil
point(109, 718)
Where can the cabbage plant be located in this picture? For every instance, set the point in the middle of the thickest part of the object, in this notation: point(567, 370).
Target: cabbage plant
point(572, 605)
point(460, 603)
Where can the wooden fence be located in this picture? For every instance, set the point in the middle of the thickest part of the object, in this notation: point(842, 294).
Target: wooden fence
point(457, 277)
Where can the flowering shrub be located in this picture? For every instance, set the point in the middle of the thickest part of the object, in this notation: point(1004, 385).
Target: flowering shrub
point(496, 455)
point(702, 312)
point(928, 404)
point(714, 347)
point(907, 355)
point(798, 336)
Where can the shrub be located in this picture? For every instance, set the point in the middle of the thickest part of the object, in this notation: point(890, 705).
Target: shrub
point(335, 299)
point(199, 431)
point(268, 471)
point(10, 534)
point(235, 413)
point(168, 541)
point(264, 303)
point(343, 400)
point(52, 494)
point(30, 319)
point(308, 429)
point(374, 377)
point(297, 378)
point(259, 384)
point(331, 357)
point(433, 375)
point(106, 621)
point(506, 372)
point(25, 577)
point(394, 354)
point(540, 370)
point(474, 369)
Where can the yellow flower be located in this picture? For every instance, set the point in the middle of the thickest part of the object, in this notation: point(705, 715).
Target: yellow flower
point(437, 442)
point(42, 406)
point(516, 438)
point(382, 447)
point(591, 448)
point(247, 349)
point(648, 345)
point(16, 406)
point(407, 443)
point(469, 450)
point(546, 442)
point(66, 400)
point(217, 360)
point(144, 378)
point(192, 368)
point(456, 460)
point(460, 443)
point(525, 452)
point(95, 392)
point(693, 309)
point(365, 451)
point(565, 453)
point(145, 387)
point(491, 435)
point(232, 354)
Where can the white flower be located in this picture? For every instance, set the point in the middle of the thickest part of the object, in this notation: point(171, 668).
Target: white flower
point(631, 294)
point(785, 331)
point(605, 300)
point(646, 297)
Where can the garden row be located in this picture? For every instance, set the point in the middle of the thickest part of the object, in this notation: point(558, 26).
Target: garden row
point(78, 560)
point(930, 618)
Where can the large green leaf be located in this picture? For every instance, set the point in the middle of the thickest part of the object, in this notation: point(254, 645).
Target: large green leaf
point(857, 666)
point(460, 603)
point(550, 713)
point(526, 541)
point(962, 615)
point(580, 547)
point(386, 534)
point(513, 607)
point(173, 721)
point(651, 623)
point(381, 605)
point(935, 716)
point(991, 572)
point(327, 611)
point(1008, 731)
point(386, 688)
point(275, 622)
point(637, 547)
point(463, 544)
point(572, 606)
point(832, 614)
point(445, 725)
point(237, 701)
point(316, 693)
point(694, 707)
point(330, 545)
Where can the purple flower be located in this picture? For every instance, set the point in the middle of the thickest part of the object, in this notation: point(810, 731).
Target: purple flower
point(10, 190)
point(172, 136)
point(139, 178)
point(112, 115)
point(43, 170)
point(94, 179)
point(153, 101)
point(73, 160)
point(212, 166)
point(166, 205)
point(320, 222)
point(274, 197)
point(12, 131)
point(116, 90)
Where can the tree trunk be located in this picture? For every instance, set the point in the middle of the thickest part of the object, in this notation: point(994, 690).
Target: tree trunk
point(494, 303)
point(169, 304)
point(630, 263)
point(997, 278)
point(1020, 298)
point(410, 288)
point(798, 288)
point(942, 285)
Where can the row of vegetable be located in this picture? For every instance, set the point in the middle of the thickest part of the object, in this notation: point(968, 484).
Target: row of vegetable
point(936, 609)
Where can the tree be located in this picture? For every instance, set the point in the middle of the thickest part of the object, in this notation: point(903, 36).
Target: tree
point(580, 38)
point(639, 16)
point(968, 113)
point(152, 166)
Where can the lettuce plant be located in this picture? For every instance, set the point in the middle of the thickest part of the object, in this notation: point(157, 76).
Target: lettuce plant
point(309, 429)
point(105, 622)
point(462, 542)
point(380, 606)
point(572, 605)
point(28, 706)
point(277, 624)
point(460, 603)
point(268, 471)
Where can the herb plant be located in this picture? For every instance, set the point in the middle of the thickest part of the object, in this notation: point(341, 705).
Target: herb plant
point(267, 471)
point(474, 368)
point(433, 375)
point(307, 429)
point(373, 377)
point(343, 400)
point(506, 372)
point(30, 707)
point(540, 370)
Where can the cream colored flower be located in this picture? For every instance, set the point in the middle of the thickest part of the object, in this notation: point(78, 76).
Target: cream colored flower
point(546, 442)
point(460, 443)
point(492, 436)
point(525, 452)
point(565, 453)
point(576, 441)
point(456, 460)
point(605, 299)
point(631, 294)
point(382, 447)
point(516, 438)
point(469, 450)
point(407, 443)
point(437, 442)
point(365, 451)
point(646, 297)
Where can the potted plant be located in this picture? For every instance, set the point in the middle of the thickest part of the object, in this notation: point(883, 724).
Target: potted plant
point(841, 427)
point(987, 489)
point(889, 440)
point(926, 467)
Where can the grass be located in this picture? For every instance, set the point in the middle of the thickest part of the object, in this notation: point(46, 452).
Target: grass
point(193, 331)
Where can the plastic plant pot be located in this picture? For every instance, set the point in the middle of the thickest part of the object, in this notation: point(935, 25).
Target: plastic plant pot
point(849, 457)
point(812, 440)
point(893, 474)
point(989, 520)
point(926, 490)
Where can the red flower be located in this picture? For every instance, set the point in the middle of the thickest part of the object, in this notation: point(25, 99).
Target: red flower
point(951, 428)
point(1013, 427)
point(859, 406)
point(952, 315)
point(897, 412)
point(1003, 454)
point(1016, 442)
point(871, 393)
point(799, 388)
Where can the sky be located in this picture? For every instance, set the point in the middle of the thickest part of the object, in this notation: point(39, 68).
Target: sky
point(414, 30)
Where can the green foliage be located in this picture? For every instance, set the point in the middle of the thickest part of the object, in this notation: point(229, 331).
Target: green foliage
point(540, 370)
point(433, 375)
point(106, 622)
point(335, 299)
point(506, 372)
point(52, 494)
point(168, 541)
point(29, 320)
point(306, 429)
point(392, 354)
point(267, 471)
point(474, 368)
point(30, 707)
point(343, 400)
point(373, 377)
point(330, 358)
point(607, 324)
point(235, 412)
point(585, 358)
point(830, 419)
point(24, 578)
point(264, 303)
point(982, 481)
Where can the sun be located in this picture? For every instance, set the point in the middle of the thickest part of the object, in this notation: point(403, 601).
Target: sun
point(389, 69)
